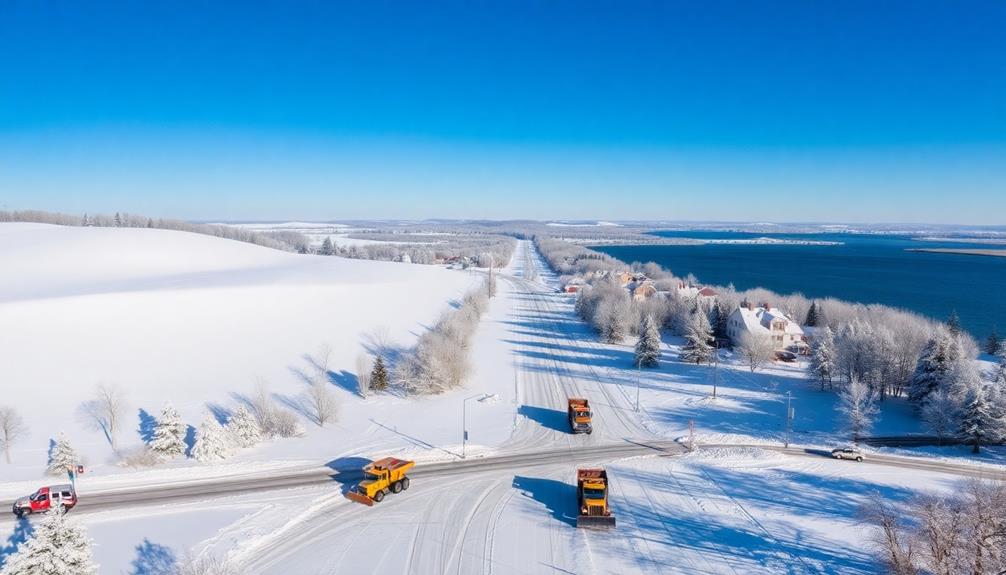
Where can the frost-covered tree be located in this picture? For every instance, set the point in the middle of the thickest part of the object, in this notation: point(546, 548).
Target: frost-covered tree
point(648, 346)
point(326, 247)
point(953, 324)
point(212, 443)
point(999, 373)
point(756, 349)
point(981, 415)
point(12, 429)
point(169, 434)
point(698, 335)
point(822, 357)
point(934, 364)
point(243, 428)
point(379, 375)
point(62, 456)
point(59, 546)
point(941, 414)
point(612, 318)
point(857, 402)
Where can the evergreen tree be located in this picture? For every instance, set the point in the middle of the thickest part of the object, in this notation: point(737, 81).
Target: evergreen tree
point(698, 335)
point(822, 357)
point(85, 221)
point(953, 324)
point(169, 434)
point(993, 343)
point(999, 375)
point(118, 220)
point(812, 319)
point(326, 247)
point(150, 222)
point(62, 457)
point(939, 355)
point(980, 419)
point(720, 321)
point(379, 375)
point(59, 546)
point(648, 346)
point(244, 428)
point(211, 441)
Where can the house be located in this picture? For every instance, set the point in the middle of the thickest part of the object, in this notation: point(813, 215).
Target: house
point(640, 290)
point(574, 285)
point(705, 296)
point(769, 321)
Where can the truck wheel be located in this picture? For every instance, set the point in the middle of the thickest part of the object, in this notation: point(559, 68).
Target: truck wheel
point(589, 431)
point(405, 483)
point(379, 497)
point(396, 487)
point(859, 459)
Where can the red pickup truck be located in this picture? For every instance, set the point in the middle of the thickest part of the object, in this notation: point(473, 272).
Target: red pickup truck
point(43, 500)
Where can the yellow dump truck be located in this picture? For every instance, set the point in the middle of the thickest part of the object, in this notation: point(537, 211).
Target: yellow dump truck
point(592, 493)
point(578, 413)
point(385, 476)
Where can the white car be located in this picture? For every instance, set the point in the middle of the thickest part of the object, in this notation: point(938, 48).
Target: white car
point(847, 453)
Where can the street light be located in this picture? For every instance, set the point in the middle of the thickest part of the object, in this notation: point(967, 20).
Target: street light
point(464, 421)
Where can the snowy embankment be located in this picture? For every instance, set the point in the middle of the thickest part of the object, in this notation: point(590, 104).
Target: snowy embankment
point(200, 322)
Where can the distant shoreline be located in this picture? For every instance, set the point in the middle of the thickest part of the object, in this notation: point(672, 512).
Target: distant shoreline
point(962, 251)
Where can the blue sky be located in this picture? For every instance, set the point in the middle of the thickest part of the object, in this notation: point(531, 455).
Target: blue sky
point(787, 111)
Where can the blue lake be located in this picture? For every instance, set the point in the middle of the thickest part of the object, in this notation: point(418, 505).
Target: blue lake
point(865, 268)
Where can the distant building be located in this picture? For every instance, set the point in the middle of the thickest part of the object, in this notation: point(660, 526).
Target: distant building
point(641, 290)
point(705, 296)
point(574, 285)
point(769, 321)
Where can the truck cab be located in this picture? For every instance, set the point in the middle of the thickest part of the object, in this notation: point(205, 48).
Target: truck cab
point(45, 499)
point(578, 413)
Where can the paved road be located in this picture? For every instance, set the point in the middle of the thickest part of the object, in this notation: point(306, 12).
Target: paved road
point(344, 478)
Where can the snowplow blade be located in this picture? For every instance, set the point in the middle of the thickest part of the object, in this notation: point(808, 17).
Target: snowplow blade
point(595, 521)
point(360, 498)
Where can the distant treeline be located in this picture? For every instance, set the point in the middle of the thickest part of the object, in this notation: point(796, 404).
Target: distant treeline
point(281, 239)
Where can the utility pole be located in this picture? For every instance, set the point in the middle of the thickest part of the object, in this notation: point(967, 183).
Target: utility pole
point(789, 416)
point(489, 285)
point(638, 374)
point(716, 364)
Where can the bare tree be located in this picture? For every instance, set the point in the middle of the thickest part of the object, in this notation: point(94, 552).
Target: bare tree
point(104, 410)
point(363, 367)
point(962, 533)
point(756, 349)
point(895, 545)
point(319, 396)
point(12, 428)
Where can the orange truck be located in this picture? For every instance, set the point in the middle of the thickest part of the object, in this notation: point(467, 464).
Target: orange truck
point(384, 476)
point(578, 413)
point(592, 493)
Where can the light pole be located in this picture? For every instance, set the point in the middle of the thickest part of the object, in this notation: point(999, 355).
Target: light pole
point(789, 416)
point(464, 422)
point(639, 370)
point(716, 365)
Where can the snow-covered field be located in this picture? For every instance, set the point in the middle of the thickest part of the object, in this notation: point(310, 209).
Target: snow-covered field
point(197, 320)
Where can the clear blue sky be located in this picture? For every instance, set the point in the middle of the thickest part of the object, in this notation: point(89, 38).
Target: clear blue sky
point(788, 111)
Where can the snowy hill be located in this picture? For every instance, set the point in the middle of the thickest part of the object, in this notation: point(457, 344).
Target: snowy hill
point(186, 318)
